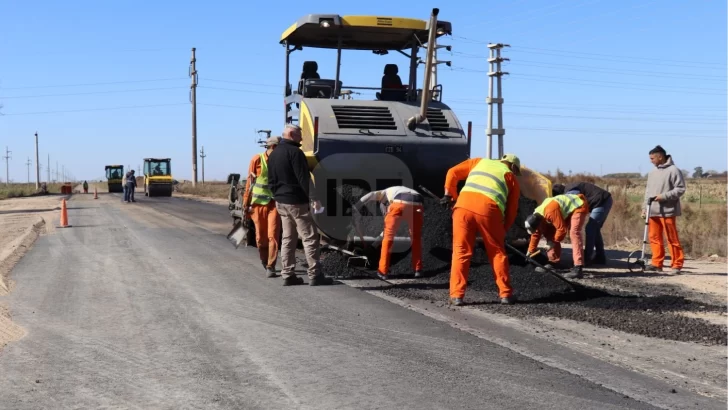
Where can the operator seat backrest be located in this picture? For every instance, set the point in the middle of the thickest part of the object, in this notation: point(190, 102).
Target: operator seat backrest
point(310, 72)
point(392, 81)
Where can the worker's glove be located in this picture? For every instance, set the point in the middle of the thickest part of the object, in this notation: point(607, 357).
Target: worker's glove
point(446, 201)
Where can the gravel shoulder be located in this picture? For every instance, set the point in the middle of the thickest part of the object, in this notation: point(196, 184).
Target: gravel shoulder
point(22, 221)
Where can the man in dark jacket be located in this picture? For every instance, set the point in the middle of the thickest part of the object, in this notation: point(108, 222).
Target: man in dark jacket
point(130, 186)
point(600, 203)
point(289, 180)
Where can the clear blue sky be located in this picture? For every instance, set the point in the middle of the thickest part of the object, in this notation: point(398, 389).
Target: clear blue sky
point(594, 84)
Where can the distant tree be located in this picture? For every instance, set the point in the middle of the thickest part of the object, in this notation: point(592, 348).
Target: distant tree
point(698, 172)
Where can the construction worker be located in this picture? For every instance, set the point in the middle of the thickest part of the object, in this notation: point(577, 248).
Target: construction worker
point(85, 187)
point(553, 219)
point(487, 204)
point(398, 203)
point(262, 208)
point(666, 184)
point(600, 203)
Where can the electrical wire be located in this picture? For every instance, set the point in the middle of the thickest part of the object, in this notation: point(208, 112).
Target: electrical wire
point(91, 93)
point(94, 109)
point(89, 84)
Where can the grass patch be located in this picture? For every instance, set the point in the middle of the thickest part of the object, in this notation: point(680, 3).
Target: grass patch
point(24, 190)
point(702, 228)
point(211, 189)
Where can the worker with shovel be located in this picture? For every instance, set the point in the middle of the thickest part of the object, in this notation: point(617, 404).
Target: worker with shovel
point(553, 219)
point(487, 204)
point(398, 204)
point(260, 204)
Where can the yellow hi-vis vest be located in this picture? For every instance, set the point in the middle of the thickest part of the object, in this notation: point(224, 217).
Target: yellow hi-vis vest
point(568, 203)
point(488, 178)
point(262, 194)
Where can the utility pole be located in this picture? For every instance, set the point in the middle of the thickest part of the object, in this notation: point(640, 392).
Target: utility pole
point(28, 165)
point(7, 166)
point(63, 174)
point(49, 169)
point(56, 170)
point(495, 60)
point(202, 155)
point(193, 100)
point(37, 163)
point(435, 94)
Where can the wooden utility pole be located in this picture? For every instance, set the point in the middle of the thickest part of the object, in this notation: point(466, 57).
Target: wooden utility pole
point(37, 163)
point(193, 100)
point(495, 60)
point(202, 155)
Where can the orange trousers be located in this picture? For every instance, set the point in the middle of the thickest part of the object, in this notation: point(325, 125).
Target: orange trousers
point(267, 229)
point(414, 216)
point(656, 228)
point(465, 224)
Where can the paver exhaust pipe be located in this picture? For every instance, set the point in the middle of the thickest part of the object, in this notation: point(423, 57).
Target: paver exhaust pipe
point(422, 116)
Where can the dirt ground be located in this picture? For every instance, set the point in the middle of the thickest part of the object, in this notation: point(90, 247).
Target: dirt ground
point(22, 220)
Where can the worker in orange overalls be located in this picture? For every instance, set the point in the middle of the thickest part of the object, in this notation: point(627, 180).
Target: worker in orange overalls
point(398, 204)
point(487, 204)
point(553, 219)
point(262, 208)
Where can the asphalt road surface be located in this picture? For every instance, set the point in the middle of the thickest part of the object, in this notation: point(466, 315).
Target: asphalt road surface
point(147, 305)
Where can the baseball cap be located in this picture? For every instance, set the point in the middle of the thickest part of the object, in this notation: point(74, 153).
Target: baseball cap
point(513, 159)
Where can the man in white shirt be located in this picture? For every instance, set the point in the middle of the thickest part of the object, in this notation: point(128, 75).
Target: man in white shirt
point(399, 203)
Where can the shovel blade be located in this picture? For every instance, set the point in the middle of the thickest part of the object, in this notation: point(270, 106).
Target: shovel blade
point(238, 234)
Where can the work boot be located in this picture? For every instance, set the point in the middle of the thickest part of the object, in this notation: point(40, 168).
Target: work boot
point(456, 301)
point(675, 271)
point(382, 276)
point(418, 274)
point(320, 280)
point(599, 260)
point(653, 268)
point(574, 273)
point(271, 272)
point(293, 281)
point(508, 300)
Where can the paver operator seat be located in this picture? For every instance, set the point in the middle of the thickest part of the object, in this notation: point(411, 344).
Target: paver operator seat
point(391, 85)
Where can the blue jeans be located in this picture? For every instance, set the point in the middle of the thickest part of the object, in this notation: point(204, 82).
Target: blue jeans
point(126, 193)
point(594, 238)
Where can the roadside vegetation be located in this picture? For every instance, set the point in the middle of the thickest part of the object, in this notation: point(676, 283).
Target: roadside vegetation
point(703, 226)
point(23, 190)
point(211, 189)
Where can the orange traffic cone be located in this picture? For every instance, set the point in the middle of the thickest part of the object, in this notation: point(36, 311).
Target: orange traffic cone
point(96, 194)
point(64, 215)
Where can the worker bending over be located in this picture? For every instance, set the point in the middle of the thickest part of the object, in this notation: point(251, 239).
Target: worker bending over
point(553, 219)
point(262, 208)
point(398, 203)
point(487, 204)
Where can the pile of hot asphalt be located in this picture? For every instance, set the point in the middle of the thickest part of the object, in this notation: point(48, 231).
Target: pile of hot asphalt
point(539, 294)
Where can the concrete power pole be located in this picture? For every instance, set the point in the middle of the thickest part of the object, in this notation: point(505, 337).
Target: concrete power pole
point(49, 169)
point(193, 100)
point(202, 155)
point(495, 60)
point(7, 158)
point(37, 163)
point(28, 165)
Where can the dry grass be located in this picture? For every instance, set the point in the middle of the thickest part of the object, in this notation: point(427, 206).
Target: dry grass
point(211, 189)
point(22, 190)
point(703, 226)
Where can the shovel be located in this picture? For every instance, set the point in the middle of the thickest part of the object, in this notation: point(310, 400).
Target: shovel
point(238, 234)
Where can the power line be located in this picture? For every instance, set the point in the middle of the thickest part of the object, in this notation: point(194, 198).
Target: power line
point(621, 133)
point(619, 58)
point(242, 82)
point(94, 92)
point(90, 84)
point(238, 90)
point(241, 107)
point(95, 109)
